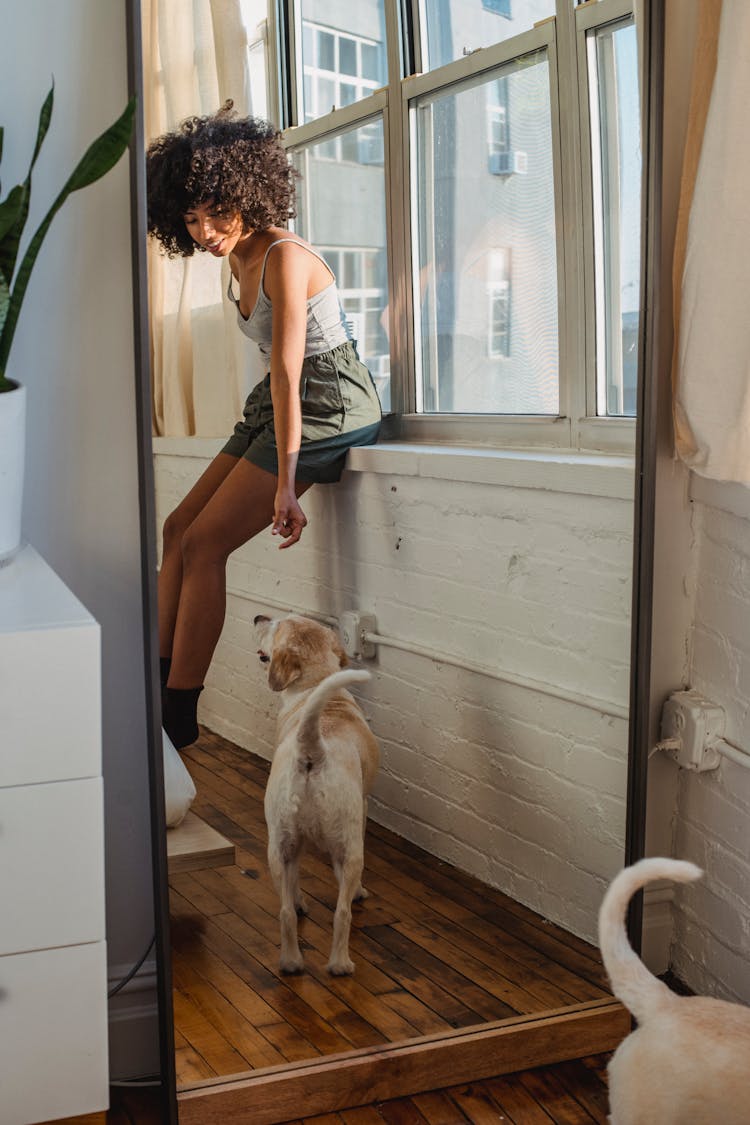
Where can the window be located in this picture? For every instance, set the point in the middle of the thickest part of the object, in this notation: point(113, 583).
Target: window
point(498, 289)
point(339, 66)
point(361, 276)
point(455, 28)
point(452, 240)
point(616, 167)
point(483, 210)
point(498, 126)
point(341, 210)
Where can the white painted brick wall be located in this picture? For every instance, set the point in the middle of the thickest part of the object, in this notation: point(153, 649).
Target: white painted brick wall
point(711, 948)
point(521, 789)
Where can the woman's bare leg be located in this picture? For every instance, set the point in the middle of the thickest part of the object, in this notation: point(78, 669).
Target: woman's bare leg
point(240, 507)
point(175, 526)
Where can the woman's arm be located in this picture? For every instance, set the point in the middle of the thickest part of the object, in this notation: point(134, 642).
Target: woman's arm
point(286, 282)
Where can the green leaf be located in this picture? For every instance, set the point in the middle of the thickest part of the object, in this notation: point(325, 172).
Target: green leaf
point(10, 210)
point(10, 240)
point(5, 384)
point(45, 116)
point(4, 299)
point(102, 155)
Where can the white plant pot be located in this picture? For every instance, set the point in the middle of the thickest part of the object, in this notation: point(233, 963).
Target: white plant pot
point(12, 448)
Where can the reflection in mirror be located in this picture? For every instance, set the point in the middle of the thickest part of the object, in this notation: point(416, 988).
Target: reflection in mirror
point(485, 582)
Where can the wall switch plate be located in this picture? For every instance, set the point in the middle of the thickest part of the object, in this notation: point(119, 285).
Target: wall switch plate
point(352, 627)
point(697, 724)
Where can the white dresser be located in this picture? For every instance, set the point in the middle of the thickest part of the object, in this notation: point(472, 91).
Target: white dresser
point(53, 971)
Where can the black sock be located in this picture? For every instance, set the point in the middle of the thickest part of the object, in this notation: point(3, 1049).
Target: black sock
point(165, 663)
point(178, 714)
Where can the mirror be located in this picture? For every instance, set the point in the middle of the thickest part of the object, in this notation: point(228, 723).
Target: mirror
point(483, 550)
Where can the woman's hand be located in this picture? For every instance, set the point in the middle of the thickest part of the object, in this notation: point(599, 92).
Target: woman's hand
point(288, 517)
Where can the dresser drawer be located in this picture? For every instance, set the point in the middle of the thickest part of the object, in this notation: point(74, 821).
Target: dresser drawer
point(50, 711)
point(53, 1028)
point(51, 865)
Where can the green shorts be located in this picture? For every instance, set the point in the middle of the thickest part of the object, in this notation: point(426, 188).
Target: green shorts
point(340, 409)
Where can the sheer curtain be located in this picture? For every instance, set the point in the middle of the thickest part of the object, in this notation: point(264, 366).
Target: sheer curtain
point(195, 57)
point(711, 371)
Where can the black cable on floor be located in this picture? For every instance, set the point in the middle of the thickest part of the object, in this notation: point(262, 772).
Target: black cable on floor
point(132, 972)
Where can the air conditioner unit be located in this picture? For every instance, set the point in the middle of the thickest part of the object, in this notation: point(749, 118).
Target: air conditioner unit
point(508, 163)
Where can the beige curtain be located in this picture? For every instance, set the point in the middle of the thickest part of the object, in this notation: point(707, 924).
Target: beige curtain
point(711, 368)
point(195, 57)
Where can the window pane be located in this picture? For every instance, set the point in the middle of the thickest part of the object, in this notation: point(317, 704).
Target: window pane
point(347, 56)
point(372, 62)
point(486, 275)
point(351, 47)
point(616, 166)
point(457, 27)
point(347, 93)
point(341, 211)
point(326, 55)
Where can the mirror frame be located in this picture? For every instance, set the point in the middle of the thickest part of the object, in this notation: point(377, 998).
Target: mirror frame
point(324, 1084)
point(167, 1092)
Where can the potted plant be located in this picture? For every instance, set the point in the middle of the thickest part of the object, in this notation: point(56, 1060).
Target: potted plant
point(102, 155)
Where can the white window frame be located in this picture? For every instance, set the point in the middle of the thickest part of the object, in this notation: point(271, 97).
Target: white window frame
point(563, 39)
point(589, 20)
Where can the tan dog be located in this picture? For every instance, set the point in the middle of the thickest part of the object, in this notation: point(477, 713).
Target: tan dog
point(688, 1062)
point(323, 768)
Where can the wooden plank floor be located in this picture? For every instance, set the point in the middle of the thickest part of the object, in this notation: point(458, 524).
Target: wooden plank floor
point(434, 949)
point(572, 1093)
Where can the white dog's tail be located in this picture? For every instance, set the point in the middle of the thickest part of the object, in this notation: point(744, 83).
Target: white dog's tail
point(308, 732)
point(631, 981)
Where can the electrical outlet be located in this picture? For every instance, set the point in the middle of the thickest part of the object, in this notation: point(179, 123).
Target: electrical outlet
point(352, 627)
point(696, 723)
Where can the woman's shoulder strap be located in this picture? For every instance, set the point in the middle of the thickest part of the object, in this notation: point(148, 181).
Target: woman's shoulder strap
point(302, 245)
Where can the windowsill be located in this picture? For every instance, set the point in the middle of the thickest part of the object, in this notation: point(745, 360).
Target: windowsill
point(569, 471)
point(727, 496)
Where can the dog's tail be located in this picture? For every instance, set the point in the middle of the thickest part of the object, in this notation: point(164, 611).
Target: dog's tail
point(308, 731)
point(632, 983)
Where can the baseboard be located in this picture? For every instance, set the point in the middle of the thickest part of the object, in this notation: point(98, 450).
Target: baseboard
point(86, 1119)
point(133, 1024)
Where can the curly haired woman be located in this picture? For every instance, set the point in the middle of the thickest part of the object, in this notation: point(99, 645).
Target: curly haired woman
point(224, 185)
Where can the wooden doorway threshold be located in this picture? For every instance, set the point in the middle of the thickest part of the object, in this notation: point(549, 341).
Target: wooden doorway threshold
point(324, 1085)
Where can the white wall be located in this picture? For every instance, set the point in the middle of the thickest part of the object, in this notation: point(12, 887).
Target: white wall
point(711, 948)
point(512, 562)
point(74, 351)
point(701, 599)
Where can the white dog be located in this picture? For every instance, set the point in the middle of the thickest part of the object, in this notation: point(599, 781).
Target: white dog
point(688, 1062)
point(323, 768)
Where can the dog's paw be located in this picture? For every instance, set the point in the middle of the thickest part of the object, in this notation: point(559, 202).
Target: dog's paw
point(292, 966)
point(361, 895)
point(343, 968)
point(301, 906)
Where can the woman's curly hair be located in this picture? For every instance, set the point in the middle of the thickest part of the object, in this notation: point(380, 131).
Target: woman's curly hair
point(237, 164)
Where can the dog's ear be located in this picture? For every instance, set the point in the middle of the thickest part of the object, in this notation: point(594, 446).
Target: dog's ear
point(338, 650)
point(284, 669)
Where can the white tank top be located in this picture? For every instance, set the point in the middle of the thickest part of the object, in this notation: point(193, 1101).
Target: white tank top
point(327, 326)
